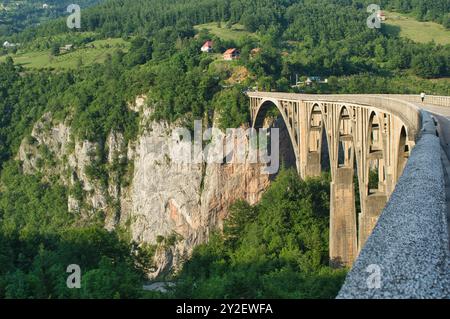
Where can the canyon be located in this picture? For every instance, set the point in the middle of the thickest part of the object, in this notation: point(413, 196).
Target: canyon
point(170, 205)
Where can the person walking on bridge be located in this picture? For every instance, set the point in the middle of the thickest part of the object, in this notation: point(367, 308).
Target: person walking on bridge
point(422, 96)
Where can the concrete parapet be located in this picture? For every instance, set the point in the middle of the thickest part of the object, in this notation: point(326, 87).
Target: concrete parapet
point(429, 99)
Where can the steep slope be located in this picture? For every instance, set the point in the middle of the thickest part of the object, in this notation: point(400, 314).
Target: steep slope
point(167, 204)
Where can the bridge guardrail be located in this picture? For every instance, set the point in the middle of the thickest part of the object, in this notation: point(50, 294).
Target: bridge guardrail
point(429, 99)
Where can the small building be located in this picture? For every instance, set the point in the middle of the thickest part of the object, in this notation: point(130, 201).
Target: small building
point(66, 48)
point(45, 6)
point(8, 45)
point(381, 15)
point(315, 79)
point(207, 47)
point(231, 54)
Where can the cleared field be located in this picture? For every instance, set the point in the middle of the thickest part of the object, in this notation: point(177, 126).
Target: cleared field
point(94, 52)
point(235, 33)
point(422, 32)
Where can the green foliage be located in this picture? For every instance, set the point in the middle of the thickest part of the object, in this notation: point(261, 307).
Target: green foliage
point(37, 265)
point(429, 65)
point(39, 238)
point(276, 249)
point(181, 87)
point(367, 83)
point(16, 18)
point(423, 10)
point(55, 49)
point(373, 179)
point(232, 107)
point(446, 21)
point(28, 206)
point(140, 52)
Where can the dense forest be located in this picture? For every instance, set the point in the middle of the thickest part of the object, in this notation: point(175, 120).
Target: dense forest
point(284, 238)
point(116, 18)
point(15, 16)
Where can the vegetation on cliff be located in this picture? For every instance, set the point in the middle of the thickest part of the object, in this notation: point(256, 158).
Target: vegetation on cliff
point(275, 249)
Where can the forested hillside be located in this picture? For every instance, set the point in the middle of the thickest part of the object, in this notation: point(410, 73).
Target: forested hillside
point(17, 15)
point(437, 10)
point(294, 39)
point(145, 16)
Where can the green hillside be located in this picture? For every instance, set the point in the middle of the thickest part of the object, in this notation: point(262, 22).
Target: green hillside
point(236, 32)
point(422, 32)
point(93, 52)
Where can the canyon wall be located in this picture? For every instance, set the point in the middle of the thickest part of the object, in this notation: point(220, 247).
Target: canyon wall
point(174, 206)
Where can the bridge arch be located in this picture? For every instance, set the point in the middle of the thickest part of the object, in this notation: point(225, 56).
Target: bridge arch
point(317, 140)
point(375, 170)
point(345, 142)
point(403, 151)
point(294, 139)
point(358, 129)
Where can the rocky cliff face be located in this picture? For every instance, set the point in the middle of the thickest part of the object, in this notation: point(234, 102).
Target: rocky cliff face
point(174, 206)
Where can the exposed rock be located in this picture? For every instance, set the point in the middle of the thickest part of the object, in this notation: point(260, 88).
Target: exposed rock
point(190, 200)
point(179, 202)
point(46, 140)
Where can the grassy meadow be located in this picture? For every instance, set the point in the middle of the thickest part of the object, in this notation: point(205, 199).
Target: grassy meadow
point(421, 32)
point(94, 52)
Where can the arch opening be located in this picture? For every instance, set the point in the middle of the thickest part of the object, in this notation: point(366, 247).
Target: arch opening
point(345, 147)
point(318, 152)
point(270, 116)
point(376, 170)
point(403, 152)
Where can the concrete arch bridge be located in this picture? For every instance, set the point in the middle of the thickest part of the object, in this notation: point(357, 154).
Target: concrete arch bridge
point(368, 140)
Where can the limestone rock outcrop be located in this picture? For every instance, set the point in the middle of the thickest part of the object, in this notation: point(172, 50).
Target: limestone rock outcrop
point(173, 205)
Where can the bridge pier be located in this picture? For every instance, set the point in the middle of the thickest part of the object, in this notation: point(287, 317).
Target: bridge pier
point(343, 237)
point(374, 205)
point(313, 165)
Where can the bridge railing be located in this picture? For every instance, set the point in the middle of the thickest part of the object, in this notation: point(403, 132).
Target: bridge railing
point(407, 255)
point(429, 99)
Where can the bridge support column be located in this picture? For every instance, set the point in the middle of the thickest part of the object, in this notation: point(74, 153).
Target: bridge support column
point(313, 165)
point(375, 204)
point(343, 237)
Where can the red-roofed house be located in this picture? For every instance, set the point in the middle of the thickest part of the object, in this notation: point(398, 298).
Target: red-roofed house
point(207, 47)
point(381, 16)
point(231, 54)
